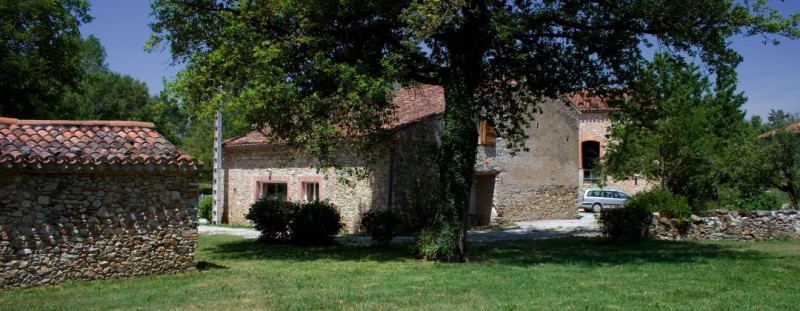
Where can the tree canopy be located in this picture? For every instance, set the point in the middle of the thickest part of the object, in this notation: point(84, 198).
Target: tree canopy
point(676, 128)
point(38, 63)
point(318, 74)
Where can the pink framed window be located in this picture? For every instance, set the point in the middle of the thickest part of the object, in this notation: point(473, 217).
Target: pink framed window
point(310, 188)
point(273, 187)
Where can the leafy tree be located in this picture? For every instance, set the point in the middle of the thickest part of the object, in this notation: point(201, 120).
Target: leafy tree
point(318, 73)
point(781, 153)
point(38, 59)
point(198, 139)
point(674, 129)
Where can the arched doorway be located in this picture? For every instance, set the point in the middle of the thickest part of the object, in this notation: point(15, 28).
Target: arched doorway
point(590, 153)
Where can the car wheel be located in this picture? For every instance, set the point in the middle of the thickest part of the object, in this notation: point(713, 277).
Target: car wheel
point(597, 207)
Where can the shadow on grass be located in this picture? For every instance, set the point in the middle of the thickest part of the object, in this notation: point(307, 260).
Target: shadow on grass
point(205, 265)
point(597, 252)
point(580, 251)
point(255, 250)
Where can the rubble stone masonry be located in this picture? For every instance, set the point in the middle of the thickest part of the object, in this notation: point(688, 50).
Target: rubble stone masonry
point(729, 225)
point(92, 226)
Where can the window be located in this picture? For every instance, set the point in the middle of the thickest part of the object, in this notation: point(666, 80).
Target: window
point(274, 191)
point(311, 191)
point(486, 135)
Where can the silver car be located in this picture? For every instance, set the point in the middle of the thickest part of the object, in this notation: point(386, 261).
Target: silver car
point(595, 199)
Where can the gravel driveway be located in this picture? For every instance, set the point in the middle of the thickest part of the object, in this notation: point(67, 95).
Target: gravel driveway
point(585, 226)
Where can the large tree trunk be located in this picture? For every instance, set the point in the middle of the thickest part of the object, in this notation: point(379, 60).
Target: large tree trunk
point(458, 152)
point(459, 146)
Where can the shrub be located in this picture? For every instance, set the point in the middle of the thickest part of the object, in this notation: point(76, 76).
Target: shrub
point(662, 201)
point(628, 223)
point(206, 206)
point(429, 246)
point(315, 223)
point(381, 225)
point(272, 218)
point(765, 201)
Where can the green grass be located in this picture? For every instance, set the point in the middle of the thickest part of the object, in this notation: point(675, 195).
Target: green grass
point(558, 274)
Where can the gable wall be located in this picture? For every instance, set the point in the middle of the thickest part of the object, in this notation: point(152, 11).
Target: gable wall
point(541, 183)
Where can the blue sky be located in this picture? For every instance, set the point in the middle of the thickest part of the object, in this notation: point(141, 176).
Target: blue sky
point(769, 75)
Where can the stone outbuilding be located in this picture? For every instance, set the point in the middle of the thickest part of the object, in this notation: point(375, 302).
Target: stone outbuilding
point(93, 200)
point(540, 184)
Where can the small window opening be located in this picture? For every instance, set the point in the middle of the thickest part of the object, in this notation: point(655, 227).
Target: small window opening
point(274, 191)
point(311, 191)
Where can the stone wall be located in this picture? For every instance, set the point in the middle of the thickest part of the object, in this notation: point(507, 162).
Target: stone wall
point(541, 183)
point(91, 226)
point(733, 225)
point(246, 167)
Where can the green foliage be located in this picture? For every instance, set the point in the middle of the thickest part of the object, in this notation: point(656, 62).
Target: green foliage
point(659, 200)
point(625, 224)
point(433, 244)
point(315, 223)
point(675, 129)
point(381, 225)
point(629, 223)
point(206, 206)
point(39, 56)
point(318, 74)
point(272, 218)
point(764, 201)
point(780, 151)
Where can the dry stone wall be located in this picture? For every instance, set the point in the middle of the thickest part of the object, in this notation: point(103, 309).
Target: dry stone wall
point(732, 225)
point(91, 226)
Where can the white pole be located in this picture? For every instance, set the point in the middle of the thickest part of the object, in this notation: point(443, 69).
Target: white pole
point(217, 192)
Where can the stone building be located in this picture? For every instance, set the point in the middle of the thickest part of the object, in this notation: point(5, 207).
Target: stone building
point(93, 200)
point(540, 184)
point(594, 124)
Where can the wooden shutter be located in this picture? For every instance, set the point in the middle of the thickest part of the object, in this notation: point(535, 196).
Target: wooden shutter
point(485, 133)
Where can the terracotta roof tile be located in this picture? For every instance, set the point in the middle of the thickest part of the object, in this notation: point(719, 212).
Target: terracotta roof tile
point(87, 144)
point(412, 104)
point(586, 102)
point(791, 128)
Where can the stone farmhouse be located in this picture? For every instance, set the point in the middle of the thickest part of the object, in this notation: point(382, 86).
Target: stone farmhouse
point(93, 200)
point(539, 184)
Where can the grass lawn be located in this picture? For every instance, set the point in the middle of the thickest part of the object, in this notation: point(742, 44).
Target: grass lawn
point(558, 274)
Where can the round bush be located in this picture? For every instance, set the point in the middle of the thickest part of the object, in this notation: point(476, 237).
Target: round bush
point(272, 218)
point(662, 201)
point(316, 223)
point(628, 223)
point(381, 225)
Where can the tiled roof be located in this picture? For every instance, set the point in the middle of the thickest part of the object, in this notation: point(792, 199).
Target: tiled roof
point(88, 146)
point(413, 104)
point(792, 128)
point(587, 103)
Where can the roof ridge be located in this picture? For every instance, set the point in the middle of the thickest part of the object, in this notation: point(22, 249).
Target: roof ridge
point(120, 123)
